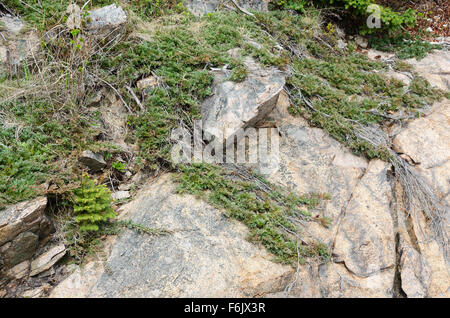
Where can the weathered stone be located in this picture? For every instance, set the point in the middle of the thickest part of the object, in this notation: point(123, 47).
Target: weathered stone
point(361, 41)
point(34, 293)
point(361, 234)
point(120, 195)
point(19, 271)
point(79, 283)
point(22, 248)
point(201, 7)
point(427, 142)
point(435, 68)
point(93, 161)
point(20, 217)
point(239, 105)
point(335, 280)
point(424, 269)
point(432, 254)
point(310, 161)
point(365, 240)
point(415, 272)
point(146, 83)
point(363, 262)
point(106, 18)
point(47, 260)
point(205, 253)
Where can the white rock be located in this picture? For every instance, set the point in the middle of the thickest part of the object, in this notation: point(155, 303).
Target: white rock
point(236, 106)
point(120, 195)
point(106, 18)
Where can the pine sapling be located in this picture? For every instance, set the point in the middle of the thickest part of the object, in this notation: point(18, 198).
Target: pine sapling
point(92, 205)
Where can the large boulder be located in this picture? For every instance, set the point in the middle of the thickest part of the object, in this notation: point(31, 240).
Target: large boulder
point(203, 255)
point(426, 141)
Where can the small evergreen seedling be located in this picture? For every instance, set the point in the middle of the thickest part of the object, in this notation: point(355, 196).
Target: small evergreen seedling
point(92, 205)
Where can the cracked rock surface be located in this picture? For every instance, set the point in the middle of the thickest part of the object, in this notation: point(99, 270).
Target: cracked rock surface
point(203, 255)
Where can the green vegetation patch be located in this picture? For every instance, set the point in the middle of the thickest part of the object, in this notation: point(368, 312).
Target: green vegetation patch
point(92, 205)
point(340, 91)
point(179, 54)
point(403, 45)
point(359, 10)
point(34, 136)
point(268, 211)
point(44, 14)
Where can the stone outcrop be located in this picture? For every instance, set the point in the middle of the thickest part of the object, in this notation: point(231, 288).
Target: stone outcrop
point(380, 246)
point(237, 106)
point(23, 227)
point(361, 235)
point(105, 19)
point(426, 141)
point(310, 161)
point(93, 161)
point(203, 255)
point(47, 259)
point(435, 68)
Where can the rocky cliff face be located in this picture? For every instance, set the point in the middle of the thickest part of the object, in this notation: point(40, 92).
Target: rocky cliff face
point(379, 247)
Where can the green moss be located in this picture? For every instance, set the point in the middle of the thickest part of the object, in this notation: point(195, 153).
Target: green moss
point(267, 213)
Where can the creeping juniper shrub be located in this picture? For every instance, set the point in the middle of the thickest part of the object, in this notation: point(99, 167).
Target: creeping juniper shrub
point(267, 214)
point(338, 91)
point(403, 45)
point(180, 55)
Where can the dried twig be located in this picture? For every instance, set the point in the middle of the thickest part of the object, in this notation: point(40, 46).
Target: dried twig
point(135, 98)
